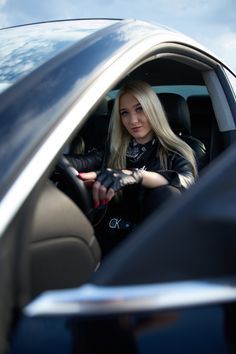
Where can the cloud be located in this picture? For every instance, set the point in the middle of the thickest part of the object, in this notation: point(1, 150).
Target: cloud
point(24, 11)
point(166, 11)
point(3, 20)
point(224, 45)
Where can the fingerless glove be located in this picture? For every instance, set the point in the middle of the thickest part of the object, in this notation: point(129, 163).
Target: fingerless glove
point(117, 179)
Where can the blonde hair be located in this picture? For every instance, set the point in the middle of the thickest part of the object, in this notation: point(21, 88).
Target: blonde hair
point(155, 113)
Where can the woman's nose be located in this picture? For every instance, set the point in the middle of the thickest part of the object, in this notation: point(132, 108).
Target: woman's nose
point(133, 118)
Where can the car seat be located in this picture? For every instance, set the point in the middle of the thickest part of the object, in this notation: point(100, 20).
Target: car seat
point(178, 115)
point(204, 125)
point(64, 251)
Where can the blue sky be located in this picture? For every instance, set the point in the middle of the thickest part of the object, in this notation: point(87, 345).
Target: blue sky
point(210, 22)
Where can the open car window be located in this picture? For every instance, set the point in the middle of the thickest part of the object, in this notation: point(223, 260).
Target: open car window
point(196, 83)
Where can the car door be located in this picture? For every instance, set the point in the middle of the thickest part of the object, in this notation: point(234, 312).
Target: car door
point(176, 245)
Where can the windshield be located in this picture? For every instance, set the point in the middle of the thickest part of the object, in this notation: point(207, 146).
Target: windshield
point(24, 48)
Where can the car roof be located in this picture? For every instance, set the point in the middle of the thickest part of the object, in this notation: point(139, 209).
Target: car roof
point(38, 42)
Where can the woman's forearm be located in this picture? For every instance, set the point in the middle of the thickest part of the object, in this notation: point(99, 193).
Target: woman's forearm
point(153, 179)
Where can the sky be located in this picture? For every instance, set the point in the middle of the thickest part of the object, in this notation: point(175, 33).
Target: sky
point(210, 22)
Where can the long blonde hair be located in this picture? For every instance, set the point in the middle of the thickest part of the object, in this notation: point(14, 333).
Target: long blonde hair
point(153, 110)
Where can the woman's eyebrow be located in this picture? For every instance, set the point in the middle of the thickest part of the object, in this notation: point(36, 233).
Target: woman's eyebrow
point(134, 106)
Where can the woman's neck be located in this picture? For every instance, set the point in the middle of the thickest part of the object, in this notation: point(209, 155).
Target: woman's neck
point(144, 140)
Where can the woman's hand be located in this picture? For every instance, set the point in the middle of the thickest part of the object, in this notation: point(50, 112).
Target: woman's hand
point(108, 181)
point(100, 193)
point(88, 178)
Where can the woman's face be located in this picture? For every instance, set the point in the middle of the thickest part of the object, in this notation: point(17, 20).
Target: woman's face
point(134, 119)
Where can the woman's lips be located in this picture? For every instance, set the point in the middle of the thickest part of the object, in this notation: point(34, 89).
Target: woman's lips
point(136, 129)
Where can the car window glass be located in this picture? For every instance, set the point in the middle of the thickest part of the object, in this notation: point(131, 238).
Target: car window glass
point(183, 90)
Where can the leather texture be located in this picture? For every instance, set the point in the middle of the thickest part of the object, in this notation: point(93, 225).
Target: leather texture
point(178, 115)
point(64, 251)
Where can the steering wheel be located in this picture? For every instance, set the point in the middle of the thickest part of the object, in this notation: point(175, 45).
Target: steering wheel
point(77, 189)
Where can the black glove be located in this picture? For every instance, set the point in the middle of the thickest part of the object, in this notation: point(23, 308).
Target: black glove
point(116, 179)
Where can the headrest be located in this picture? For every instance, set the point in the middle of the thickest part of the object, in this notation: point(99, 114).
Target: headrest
point(177, 112)
point(200, 105)
point(202, 114)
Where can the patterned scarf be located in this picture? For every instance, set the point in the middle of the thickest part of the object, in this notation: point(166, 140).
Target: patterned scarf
point(135, 150)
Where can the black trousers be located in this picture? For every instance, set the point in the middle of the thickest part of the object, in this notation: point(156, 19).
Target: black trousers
point(119, 218)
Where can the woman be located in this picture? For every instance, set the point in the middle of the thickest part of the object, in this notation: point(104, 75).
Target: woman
point(146, 159)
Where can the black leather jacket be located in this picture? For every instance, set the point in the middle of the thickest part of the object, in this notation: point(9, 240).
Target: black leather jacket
point(178, 172)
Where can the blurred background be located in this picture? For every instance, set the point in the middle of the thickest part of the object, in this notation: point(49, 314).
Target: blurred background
point(210, 22)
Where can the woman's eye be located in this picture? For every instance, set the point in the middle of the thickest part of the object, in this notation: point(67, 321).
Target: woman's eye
point(139, 109)
point(123, 113)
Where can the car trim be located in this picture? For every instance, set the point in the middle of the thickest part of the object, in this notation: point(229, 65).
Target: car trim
point(108, 19)
point(219, 102)
point(101, 300)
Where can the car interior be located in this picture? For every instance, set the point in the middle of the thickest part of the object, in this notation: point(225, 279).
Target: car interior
point(64, 250)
